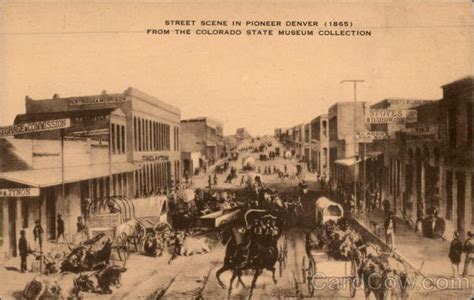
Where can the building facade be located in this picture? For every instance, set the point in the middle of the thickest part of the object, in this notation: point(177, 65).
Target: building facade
point(123, 145)
point(204, 135)
point(319, 130)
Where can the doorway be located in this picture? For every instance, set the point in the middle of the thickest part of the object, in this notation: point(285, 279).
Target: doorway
point(12, 225)
point(461, 197)
point(50, 213)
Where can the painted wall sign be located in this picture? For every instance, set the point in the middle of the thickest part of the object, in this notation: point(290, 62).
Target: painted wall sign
point(95, 100)
point(372, 135)
point(396, 116)
point(20, 192)
point(35, 127)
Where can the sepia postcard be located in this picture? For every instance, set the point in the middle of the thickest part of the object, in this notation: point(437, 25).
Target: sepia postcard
point(236, 149)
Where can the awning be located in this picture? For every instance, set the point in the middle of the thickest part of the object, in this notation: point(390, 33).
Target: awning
point(51, 177)
point(350, 161)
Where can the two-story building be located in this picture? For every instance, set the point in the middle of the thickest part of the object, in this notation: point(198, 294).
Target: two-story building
point(125, 144)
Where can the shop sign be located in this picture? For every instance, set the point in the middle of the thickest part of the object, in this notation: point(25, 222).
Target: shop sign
point(392, 116)
point(426, 132)
point(20, 192)
point(372, 135)
point(148, 158)
point(95, 100)
point(35, 127)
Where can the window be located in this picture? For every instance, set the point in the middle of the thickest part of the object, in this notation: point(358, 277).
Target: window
point(122, 144)
point(452, 132)
point(112, 138)
point(135, 133)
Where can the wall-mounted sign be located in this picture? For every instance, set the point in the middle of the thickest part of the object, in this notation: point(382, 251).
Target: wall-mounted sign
point(372, 135)
point(397, 116)
point(95, 99)
point(35, 127)
point(426, 132)
point(146, 158)
point(19, 192)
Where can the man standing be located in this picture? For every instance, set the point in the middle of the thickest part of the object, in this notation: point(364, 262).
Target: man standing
point(455, 252)
point(23, 249)
point(60, 228)
point(38, 235)
point(469, 248)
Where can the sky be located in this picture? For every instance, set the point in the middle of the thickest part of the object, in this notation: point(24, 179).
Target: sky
point(256, 82)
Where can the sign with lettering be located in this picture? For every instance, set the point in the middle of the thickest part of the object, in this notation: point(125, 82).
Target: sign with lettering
point(372, 135)
point(19, 192)
point(95, 99)
point(35, 127)
point(154, 158)
point(397, 116)
point(426, 132)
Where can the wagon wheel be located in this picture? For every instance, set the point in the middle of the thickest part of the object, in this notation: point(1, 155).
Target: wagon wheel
point(311, 272)
point(352, 287)
point(140, 237)
point(122, 246)
point(303, 269)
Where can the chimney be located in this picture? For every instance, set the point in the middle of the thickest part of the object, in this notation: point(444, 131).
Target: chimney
point(56, 96)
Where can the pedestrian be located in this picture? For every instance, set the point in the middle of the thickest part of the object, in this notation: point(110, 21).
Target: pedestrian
point(81, 226)
point(23, 249)
point(177, 248)
point(389, 226)
point(455, 252)
point(469, 249)
point(60, 228)
point(242, 181)
point(215, 178)
point(209, 181)
point(38, 235)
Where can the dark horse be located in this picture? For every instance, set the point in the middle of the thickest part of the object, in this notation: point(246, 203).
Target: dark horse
point(264, 257)
point(233, 256)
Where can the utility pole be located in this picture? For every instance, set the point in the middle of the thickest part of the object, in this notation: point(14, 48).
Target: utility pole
point(354, 81)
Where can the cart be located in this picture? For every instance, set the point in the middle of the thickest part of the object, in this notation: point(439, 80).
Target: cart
point(326, 210)
point(320, 267)
point(115, 217)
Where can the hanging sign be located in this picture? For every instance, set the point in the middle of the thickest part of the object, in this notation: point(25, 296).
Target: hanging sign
point(19, 192)
point(35, 127)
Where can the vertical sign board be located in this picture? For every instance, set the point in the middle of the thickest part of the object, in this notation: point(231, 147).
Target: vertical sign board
point(35, 127)
point(19, 192)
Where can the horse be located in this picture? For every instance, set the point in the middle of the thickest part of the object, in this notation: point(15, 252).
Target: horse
point(233, 242)
point(264, 257)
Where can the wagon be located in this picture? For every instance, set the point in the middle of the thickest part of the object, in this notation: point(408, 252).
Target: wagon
point(326, 210)
point(219, 218)
point(319, 267)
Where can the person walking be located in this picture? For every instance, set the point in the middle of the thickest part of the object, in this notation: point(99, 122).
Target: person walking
point(209, 181)
point(38, 235)
point(215, 178)
point(60, 228)
point(23, 249)
point(469, 249)
point(455, 252)
point(389, 226)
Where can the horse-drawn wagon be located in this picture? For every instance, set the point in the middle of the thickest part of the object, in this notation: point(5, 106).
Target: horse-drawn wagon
point(126, 222)
point(320, 270)
point(326, 210)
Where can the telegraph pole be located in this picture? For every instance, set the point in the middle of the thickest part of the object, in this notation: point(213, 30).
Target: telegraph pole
point(354, 81)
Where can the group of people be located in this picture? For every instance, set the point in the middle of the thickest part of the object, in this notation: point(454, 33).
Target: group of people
point(457, 248)
point(339, 240)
